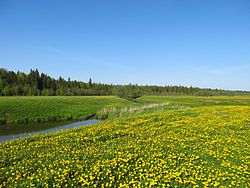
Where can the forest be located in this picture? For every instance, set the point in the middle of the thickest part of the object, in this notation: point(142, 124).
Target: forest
point(40, 84)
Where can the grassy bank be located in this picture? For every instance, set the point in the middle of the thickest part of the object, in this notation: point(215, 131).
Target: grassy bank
point(194, 147)
point(149, 104)
point(196, 101)
point(48, 109)
point(44, 109)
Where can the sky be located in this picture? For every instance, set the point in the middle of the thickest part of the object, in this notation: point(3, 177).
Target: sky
point(200, 43)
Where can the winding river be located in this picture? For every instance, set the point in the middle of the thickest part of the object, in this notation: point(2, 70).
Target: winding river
point(61, 127)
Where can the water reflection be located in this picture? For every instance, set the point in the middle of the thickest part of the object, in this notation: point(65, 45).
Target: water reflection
point(63, 126)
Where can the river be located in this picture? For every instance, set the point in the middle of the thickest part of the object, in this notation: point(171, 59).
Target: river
point(57, 128)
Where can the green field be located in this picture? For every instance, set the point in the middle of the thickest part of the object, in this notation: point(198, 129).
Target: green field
point(194, 147)
point(179, 102)
point(43, 109)
point(196, 101)
point(153, 141)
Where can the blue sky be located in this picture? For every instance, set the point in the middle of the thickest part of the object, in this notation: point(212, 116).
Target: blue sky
point(170, 42)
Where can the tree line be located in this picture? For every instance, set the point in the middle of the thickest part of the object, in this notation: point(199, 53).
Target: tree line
point(40, 84)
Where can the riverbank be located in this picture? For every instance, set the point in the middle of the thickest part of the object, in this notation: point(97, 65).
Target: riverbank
point(17, 110)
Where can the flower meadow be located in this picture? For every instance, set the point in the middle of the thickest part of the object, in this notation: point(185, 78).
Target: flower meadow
point(196, 147)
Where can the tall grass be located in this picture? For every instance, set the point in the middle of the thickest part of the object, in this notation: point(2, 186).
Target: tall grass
point(113, 112)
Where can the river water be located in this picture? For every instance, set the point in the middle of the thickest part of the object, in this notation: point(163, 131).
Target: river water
point(58, 128)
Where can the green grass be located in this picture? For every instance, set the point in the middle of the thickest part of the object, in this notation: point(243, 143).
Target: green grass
point(45, 109)
point(191, 141)
point(178, 102)
point(194, 147)
point(195, 101)
point(15, 110)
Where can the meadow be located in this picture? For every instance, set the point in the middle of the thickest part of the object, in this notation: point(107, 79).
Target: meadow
point(192, 147)
point(17, 110)
point(46, 109)
point(151, 103)
point(153, 141)
point(196, 101)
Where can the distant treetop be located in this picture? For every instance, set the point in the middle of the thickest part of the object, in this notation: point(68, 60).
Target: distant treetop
point(37, 84)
